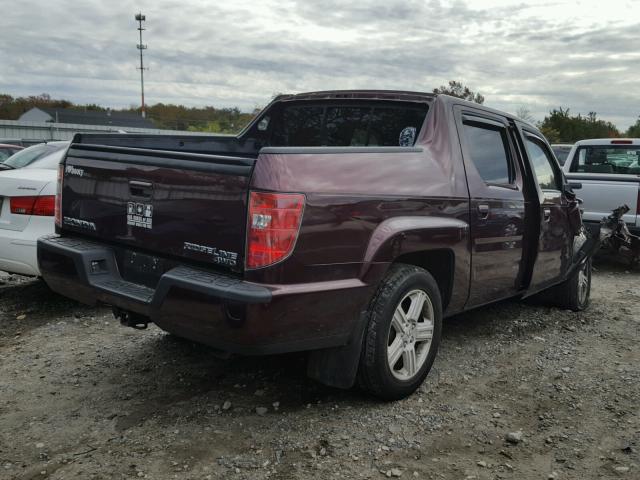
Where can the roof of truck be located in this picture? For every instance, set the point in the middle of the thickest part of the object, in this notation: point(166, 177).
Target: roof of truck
point(609, 141)
point(360, 94)
point(392, 95)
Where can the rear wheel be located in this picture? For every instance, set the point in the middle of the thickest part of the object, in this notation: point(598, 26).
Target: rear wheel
point(402, 334)
point(576, 291)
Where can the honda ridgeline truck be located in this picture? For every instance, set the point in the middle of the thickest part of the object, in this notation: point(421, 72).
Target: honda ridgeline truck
point(343, 223)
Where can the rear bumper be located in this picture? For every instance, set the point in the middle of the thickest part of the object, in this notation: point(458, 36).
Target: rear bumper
point(18, 250)
point(219, 310)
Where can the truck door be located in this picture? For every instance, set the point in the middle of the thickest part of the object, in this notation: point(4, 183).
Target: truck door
point(559, 216)
point(497, 205)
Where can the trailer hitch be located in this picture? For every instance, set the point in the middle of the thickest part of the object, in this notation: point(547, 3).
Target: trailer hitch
point(131, 319)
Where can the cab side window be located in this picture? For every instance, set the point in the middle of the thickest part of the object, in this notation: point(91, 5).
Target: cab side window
point(543, 164)
point(488, 147)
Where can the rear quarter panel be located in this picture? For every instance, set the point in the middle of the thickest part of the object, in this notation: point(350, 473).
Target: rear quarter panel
point(351, 196)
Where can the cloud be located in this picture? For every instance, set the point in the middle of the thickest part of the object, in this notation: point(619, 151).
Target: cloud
point(535, 54)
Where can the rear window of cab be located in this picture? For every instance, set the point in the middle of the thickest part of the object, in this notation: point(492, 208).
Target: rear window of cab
point(352, 125)
point(614, 159)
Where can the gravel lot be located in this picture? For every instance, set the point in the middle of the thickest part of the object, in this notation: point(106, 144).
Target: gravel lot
point(517, 392)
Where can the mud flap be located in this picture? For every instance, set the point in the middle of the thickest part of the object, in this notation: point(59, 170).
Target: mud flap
point(585, 245)
point(338, 366)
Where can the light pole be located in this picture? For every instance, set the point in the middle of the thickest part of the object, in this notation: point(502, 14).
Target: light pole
point(141, 18)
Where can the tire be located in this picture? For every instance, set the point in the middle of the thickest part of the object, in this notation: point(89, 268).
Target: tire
point(574, 292)
point(387, 368)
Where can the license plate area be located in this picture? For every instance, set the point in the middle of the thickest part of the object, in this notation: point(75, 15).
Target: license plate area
point(142, 268)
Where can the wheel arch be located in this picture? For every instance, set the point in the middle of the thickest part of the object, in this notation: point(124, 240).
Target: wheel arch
point(440, 245)
point(440, 263)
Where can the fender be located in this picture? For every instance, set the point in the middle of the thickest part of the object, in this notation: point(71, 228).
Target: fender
point(392, 238)
point(399, 236)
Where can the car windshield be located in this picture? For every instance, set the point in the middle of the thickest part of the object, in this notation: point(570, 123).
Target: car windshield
point(561, 152)
point(616, 159)
point(29, 155)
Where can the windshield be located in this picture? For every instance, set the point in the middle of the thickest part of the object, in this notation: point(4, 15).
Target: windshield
point(616, 159)
point(561, 152)
point(31, 154)
point(355, 124)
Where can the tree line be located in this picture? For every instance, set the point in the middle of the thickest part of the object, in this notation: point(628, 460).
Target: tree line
point(162, 115)
point(559, 126)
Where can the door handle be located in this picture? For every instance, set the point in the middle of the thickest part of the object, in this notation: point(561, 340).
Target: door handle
point(140, 189)
point(546, 214)
point(483, 211)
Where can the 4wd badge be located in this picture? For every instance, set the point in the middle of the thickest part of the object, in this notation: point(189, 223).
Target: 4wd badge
point(139, 214)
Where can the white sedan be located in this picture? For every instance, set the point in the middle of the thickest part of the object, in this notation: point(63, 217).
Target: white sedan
point(27, 204)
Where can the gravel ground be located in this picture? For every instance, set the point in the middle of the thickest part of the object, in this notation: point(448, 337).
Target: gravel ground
point(517, 392)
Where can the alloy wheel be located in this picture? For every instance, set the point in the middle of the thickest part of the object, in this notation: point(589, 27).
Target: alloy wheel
point(410, 335)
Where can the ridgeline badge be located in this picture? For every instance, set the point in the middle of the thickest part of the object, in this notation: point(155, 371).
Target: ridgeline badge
point(221, 257)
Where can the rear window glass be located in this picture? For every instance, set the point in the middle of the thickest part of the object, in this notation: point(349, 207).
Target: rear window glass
point(48, 162)
point(29, 155)
point(616, 159)
point(348, 125)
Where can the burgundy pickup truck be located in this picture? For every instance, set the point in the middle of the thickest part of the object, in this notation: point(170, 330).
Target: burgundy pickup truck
point(343, 223)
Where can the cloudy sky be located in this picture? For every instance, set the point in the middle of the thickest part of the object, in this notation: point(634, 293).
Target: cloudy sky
point(584, 55)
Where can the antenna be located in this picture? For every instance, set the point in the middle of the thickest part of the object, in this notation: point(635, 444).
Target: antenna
point(141, 46)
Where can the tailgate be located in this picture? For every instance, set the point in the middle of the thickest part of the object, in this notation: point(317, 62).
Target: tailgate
point(601, 195)
point(166, 203)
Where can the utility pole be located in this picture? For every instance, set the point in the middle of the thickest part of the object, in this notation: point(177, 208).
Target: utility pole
point(141, 18)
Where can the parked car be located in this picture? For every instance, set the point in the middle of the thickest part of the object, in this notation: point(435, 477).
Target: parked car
point(561, 151)
point(30, 154)
point(27, 211)
point(608, 171)
point(6, 150)
point(345, 223)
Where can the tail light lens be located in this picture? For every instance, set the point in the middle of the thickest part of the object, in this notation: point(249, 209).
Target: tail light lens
point(274, 223)
point(58, 203)
point(41, 206)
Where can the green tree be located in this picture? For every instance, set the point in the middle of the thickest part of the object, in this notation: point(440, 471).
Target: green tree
point(634, 130)
point(457, 89)
point(11, 108)
point(167, 116)
point(560, 126)
point(551, 134)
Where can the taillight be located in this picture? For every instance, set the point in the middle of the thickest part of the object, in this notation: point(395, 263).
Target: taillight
point(621, 142)
point(41, 206)
point(274, 222)
point(58, 202)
